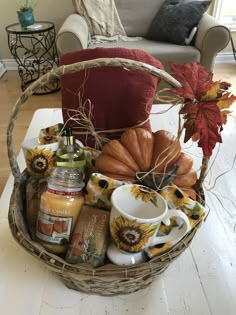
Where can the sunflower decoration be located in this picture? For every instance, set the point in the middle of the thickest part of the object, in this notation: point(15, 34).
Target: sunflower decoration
point(195, 214)
point(176, 198)
point(39, 161)
point(131, 236)
point(99, 189)
point(144, 193)
point(158, 249)
point(166, 229)
point(50, 134)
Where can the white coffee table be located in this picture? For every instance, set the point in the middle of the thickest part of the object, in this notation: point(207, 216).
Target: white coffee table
point(202, 281)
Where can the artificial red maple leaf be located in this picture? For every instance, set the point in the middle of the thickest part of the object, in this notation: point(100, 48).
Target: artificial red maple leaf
point(224, 85)
point(196, 81)
point(202, 122)
point(206, 104)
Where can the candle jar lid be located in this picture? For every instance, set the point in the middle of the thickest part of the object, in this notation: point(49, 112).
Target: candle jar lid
point(66, 177)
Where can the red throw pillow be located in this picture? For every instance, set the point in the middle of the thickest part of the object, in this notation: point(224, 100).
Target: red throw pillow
point(120, 98)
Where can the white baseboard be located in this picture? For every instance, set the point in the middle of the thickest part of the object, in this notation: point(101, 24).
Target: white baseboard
point(10, 64)
point(226, 57)
point(2, 69)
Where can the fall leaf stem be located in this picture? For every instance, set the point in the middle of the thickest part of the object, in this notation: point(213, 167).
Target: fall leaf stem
point(203, 173)
point(199, 184)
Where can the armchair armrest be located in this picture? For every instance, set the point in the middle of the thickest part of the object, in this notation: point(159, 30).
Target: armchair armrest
point(211, 38)
point(73, 34)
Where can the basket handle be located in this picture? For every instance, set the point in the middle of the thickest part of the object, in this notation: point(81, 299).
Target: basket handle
point(71, 68)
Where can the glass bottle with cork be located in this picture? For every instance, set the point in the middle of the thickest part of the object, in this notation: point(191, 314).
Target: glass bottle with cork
point(70, 153)
point(60, 206)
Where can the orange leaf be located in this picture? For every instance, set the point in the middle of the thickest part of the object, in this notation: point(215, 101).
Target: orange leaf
point(206, 104)
point(226, 101)
point(212, 93)
point(224, 116)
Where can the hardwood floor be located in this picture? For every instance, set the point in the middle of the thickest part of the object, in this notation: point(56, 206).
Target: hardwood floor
point(10, 91)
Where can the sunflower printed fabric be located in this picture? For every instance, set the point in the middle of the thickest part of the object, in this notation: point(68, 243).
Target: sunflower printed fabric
point(99, 189)
point(50, 134)
point(176, 198)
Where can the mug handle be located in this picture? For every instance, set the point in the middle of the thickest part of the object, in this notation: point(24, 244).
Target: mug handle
point(177, 233)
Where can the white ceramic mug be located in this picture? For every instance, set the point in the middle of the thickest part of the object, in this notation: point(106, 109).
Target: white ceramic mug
point(39, 158)
point(136, 215)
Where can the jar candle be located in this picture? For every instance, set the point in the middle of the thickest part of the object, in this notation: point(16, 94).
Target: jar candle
point(59, 209)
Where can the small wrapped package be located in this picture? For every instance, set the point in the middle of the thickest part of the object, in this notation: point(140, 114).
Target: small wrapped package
point(90, 237)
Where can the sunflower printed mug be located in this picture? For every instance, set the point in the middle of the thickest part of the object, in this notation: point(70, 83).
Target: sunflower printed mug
point(39, 158)
point(136, 215)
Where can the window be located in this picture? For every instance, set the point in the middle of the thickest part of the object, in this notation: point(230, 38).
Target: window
point(225, 11)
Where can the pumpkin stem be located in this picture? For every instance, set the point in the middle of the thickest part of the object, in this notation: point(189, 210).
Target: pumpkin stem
point(156, 181)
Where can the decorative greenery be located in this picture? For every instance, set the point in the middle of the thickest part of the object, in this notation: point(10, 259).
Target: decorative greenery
point(26, 5)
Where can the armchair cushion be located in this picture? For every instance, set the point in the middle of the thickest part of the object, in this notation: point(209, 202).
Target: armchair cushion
point(137, 15)
point(175, 20)
point(120, 98)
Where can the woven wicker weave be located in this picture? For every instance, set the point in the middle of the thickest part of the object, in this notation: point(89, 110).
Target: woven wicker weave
point(109, 279)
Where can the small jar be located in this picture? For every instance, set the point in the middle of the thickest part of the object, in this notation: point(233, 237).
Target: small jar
point(59, 209)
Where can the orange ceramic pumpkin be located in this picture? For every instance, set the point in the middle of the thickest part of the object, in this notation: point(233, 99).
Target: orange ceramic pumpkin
point(139, 150)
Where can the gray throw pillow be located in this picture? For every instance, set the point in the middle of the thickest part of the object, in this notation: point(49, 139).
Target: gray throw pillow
point(176, 19)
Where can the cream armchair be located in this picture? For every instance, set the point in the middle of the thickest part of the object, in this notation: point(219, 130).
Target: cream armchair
point(137, 18)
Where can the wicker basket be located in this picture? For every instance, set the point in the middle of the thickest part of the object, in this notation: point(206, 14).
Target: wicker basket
point(109, 279)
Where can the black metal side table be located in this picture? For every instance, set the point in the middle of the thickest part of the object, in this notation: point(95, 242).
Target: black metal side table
point(35, 53)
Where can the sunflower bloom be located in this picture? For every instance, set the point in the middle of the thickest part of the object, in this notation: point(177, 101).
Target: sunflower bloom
point(131, 236)
point(39, 161)
point(178, 198)
point(144, 193)
point(50, 134)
